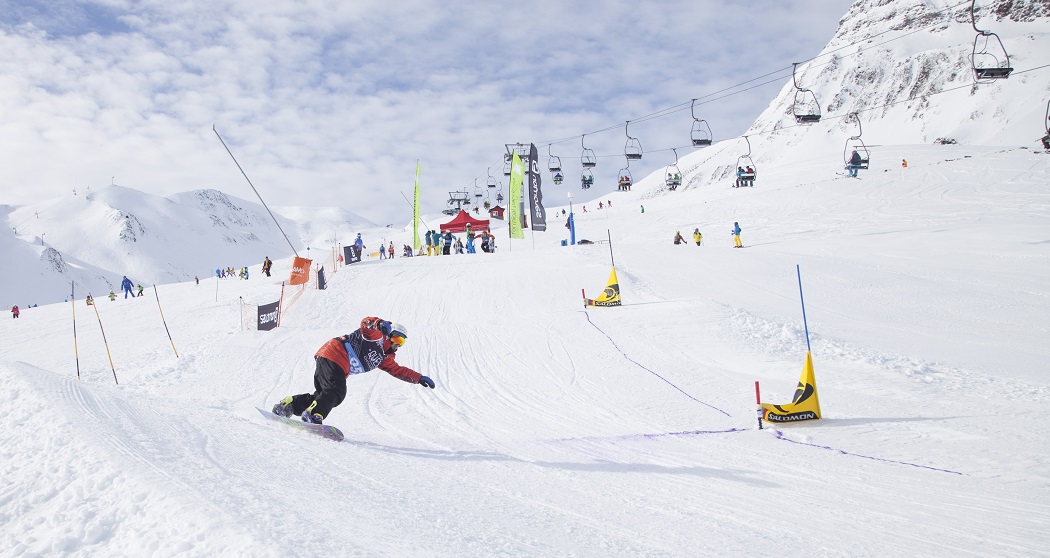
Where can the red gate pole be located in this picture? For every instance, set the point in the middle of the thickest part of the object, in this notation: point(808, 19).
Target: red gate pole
point(758, 401)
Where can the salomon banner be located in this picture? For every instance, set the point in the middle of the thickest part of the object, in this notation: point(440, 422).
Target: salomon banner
point(351, 254)
point(610, 296)
point(321, 283)
point(804, 405)
point(300, 271)
point(517, 173)
point(268, 316)
point(539, 215)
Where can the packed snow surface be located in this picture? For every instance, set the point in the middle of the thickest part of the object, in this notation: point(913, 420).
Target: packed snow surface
point(557, 430)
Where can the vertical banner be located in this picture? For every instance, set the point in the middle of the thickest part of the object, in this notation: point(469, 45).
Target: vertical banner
point(351, 254)
point(517, 172)
point(539, 215)
point(322, 284)
point(415, 213)
point(300, 271)
point(268, 316)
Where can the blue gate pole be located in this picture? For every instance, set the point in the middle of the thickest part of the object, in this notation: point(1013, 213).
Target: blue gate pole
point(799, 272)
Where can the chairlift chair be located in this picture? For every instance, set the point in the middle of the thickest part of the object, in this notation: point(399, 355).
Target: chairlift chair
point(558, 178)
point(633, 148)
point(987, 66)
point(507, 161)
point(491, 182)
point(743, 162)
point(554, 162)
point(586, 179)
point(625, 179)
point(587, 159)
point(674, 174)
point(1046, 139)
point(806, 108)
point(700, 134)
point(858, 145)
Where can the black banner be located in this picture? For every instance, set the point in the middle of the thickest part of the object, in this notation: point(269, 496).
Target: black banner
point(268, 315)
point(539, 215)
point(351, 254)
point(321, 283)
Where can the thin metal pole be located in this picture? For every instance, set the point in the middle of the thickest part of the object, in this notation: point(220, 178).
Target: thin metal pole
point(254, 190)
point(413, 206)
point(106, 343)
point(76, 352)
point(804, 323)
point(608, 235)
point(165, 322)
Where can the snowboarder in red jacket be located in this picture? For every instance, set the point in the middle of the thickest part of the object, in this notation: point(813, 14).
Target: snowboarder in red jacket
point(372, 346)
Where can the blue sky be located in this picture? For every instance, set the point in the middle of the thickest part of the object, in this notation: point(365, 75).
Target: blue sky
point(330, 103)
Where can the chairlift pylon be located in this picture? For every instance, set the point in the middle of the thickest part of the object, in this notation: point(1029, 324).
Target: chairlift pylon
point(587, 158)
point(857, 145)
point(633, 148)
point(744, 162)
point(520, 149)
point(674, 174)
point(456, 201)
point(806, 108)
point(700, 133)
point(987, 67)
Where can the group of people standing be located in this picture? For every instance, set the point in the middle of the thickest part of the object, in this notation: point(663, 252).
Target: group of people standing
point(445, 243)
point(241, 273)
point(698, 238)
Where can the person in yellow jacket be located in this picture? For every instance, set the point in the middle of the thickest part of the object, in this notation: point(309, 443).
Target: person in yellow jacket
point(697, 237)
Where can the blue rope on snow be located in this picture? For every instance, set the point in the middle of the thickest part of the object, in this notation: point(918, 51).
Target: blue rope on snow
point(648, 370)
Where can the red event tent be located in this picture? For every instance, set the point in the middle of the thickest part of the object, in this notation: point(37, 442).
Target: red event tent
point(459, 223)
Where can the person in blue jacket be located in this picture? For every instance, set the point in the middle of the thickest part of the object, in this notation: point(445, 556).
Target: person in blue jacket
point(127, 285)
point(736, 235)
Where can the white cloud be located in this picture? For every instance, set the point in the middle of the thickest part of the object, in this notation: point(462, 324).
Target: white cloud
point(333, 102)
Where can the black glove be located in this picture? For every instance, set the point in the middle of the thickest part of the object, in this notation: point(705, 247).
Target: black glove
point(383, 326)
point(426, 382)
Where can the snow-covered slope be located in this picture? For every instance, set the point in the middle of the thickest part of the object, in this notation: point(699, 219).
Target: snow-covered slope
point(556, 430)
point(95, 237)
point(559, 431)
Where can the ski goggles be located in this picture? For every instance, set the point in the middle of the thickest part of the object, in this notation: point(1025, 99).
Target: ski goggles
point(397, 340)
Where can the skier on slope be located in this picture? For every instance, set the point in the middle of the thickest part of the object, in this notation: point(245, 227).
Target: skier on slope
point(127, 285)
point(736, 235)
point(371, 346)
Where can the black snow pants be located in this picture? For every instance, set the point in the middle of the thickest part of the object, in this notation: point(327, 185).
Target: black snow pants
point(329, 390)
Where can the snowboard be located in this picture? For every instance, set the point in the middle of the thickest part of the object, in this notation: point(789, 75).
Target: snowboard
point(324, 430)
